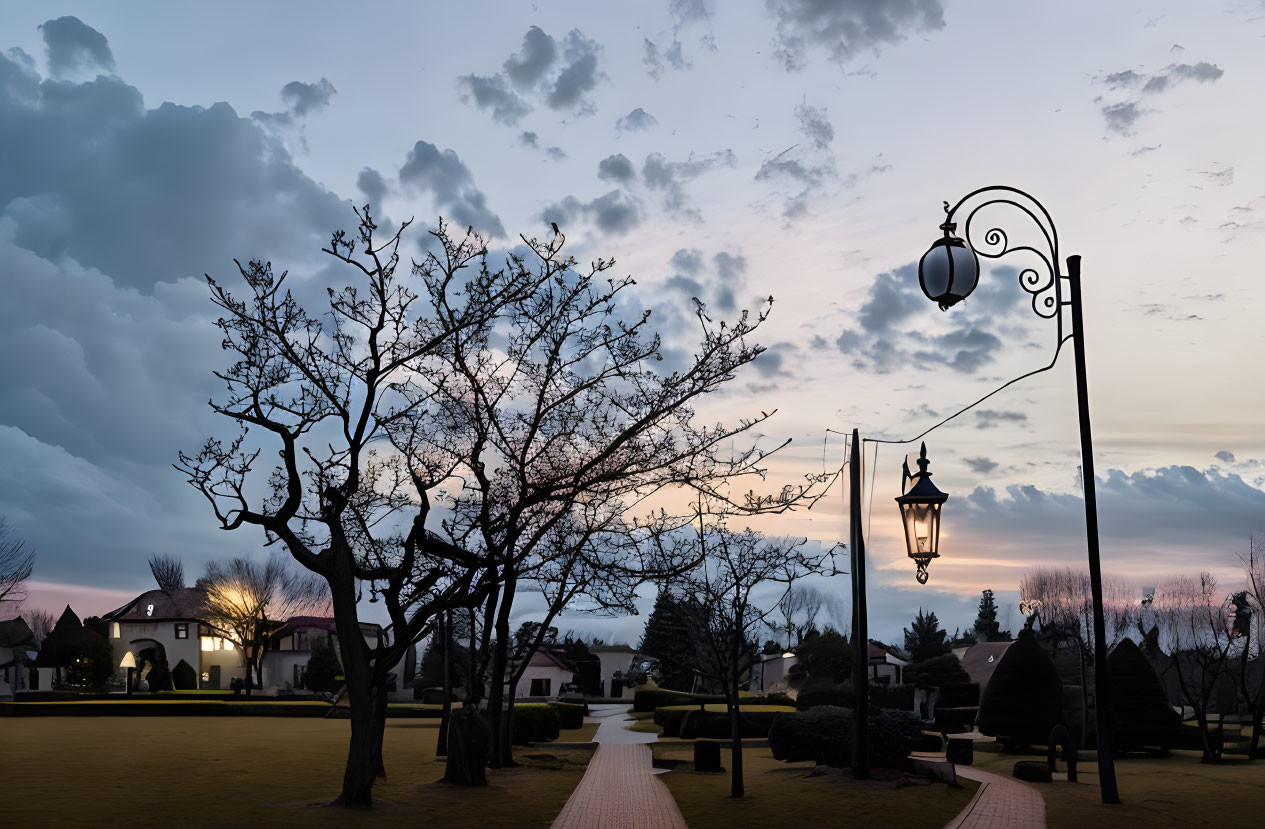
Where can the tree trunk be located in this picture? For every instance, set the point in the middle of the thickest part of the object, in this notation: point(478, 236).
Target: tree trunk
point(445, 629)
point(467, 749)
point(250, 666)
point(736, 788)
point(364, 755)
point(502, 753)
point(380, 701)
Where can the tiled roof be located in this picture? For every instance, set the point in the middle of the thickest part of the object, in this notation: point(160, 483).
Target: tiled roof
point(980, 660)
point(187, 603)
point(16, 633)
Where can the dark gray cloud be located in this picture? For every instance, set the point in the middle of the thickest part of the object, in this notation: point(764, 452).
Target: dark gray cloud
point(716, 286)
point(1225, 456)
point(990, 418)
point(770, 363)
point(670, 177)
point(529, 139)
point(578, 77)
point(815, 125)
point(447, 178)
point(372, 184)
point(844, 28)
point(684, 14)
point(980, 466)
point(74, 46)
point(494, 94)
point(1177, 514)
point(614, 212)
point(687, 260)
point(636, 121)
point(617, 168)
point(533, 75)
point(1122, 116)
point(303, 98)
point(555, 153)
point(532, 61)
point(86, 171)
point(895, 324)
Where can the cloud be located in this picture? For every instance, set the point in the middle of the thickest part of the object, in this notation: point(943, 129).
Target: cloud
point(980, 466)
point(814, 124)
point(685, 14)
point(537, 55)
point(579, 76)
point(636, 121)
point(989, 418)
point(447, 178)
point(372, 184)
point(1122, 116)
point(895, 327)
point(617, 168)
point(614, 212)
point(844, 28)
point(716, 285)
point(1225, 456)
point(493, 93)
point(74, 46)
point(669, 177)
point(303, 98)
point(529, 76)
point(149, 195)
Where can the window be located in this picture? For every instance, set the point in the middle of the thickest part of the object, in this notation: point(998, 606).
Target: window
point(540, 687)
point(115, 631)
point(182, 630)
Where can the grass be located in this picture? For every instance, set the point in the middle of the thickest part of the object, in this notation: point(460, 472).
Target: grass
point(788, 794)
point(1177, 790)
point(643, 727)
point(156, 771)
point(583, 734)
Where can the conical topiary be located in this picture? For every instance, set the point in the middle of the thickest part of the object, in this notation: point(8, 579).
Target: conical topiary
point(1024, 698)
point(1140, 711)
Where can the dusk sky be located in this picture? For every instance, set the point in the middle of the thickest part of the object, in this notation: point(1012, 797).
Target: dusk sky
point(727, 151)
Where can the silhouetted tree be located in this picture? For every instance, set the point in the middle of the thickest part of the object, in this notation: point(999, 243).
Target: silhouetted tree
point(247, 602)
point(671, 640)
point(987, 628)
point(17, 562)
point(168, 572)
point(925, 638)
point(1251, 670)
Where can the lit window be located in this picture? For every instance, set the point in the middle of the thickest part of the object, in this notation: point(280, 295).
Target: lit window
point(208, 644)
point(182, 630)
point(228, 646)
point(115, 631)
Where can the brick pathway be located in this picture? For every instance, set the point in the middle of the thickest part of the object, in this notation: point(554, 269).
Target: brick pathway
point(999, 803)
point(620, 789)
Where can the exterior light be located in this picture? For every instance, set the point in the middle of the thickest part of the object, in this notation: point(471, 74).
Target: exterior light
point(949, 270)
point(129, 661)
point(920, 504)
point(788, 654)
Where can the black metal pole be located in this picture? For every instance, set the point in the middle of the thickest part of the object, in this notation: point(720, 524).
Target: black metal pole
point(444, 630)
point(1102, 695)
point(860, 627)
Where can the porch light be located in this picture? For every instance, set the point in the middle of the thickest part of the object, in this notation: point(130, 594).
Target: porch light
point(949, 270)
point(920, 504)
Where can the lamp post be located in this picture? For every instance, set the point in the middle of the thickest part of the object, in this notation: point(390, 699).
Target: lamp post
point(948, 272)
point(129, 662)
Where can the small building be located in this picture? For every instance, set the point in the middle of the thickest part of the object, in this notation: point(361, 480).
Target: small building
point(770, 670)
point(17, 658)
point(886, 668)
point(546, 672)
point(615, 660)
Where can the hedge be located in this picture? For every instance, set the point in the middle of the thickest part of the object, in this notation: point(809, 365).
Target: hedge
point(843, 696)
point(535, 722)
point(650, 699)
point(824, 736)
point(1024, 698)
point(1140, 713)
point(753, 721)
point(570, 715)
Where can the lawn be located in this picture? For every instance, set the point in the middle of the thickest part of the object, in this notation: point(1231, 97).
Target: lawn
point(787, 794)
point(199, 771)
point(583, 734)
point(1166, 791)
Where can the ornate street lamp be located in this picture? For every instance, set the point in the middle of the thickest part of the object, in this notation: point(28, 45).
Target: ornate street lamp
point(949, 270)
point(920, 504)
point(944, 281)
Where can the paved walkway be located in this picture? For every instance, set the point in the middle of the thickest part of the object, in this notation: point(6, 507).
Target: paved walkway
point(999, 803)
point(620, 790)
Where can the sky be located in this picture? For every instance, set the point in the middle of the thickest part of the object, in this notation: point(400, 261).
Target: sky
point(727, 151)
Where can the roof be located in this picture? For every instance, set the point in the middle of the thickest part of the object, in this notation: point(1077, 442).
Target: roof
point(185, 603)
point(611, 649)
point(553, 658)
point(878, 653)
point(981, 659)
point(15, 633)
point(298, 622)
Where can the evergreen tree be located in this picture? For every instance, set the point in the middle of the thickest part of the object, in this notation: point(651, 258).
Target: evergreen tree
point(925, 638)
point(825, 655)
point(671, 640)
point(987, 628)
point(323, 667)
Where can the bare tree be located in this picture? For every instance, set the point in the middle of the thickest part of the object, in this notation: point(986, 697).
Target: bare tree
point(799, 609)
point(725, 590)
point(344, 398)
point(41, 623)
point(1251, 670)
point(168, 572)
point(247, 602)
point(17, 562)
point(570, 429)
point(1196, 629)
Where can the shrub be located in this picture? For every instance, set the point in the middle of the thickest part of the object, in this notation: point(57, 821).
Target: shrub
point(183, 677)
point(1140, 713)
point(322, 667)
point(955, 720)
point(774, 699)
point(959, 695)
point(534, 723)
point(754, 721)
point(669, 718)
point(1024, 698)
point(937, 672)
point(649, 699)
point(824, 736)
point(892, 696)
point(159, 677)
point(818, 691)
point(570, 715)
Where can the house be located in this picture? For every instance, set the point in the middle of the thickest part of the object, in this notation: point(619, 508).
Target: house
point(885, 667)
point(769, 671)
point(17, 658)
point(546, 672)
point(615, 663)
point(158, 626)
